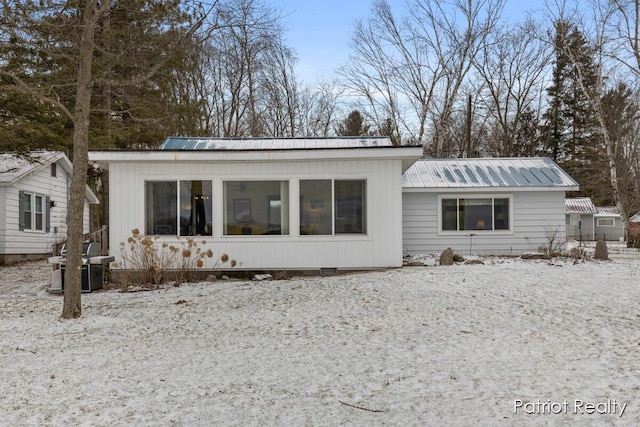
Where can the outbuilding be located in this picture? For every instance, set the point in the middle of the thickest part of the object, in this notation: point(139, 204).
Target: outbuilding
point(270, 203)
point(504, 206)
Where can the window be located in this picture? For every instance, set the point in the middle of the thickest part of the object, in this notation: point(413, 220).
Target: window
point(34, 213)
point(350, 207)
point(332, 207)
point(54, 169)
point(178, 208)
point(475, 214)
point(195, 208)
point(316, 210)
point(605, 222)
point(256, 207)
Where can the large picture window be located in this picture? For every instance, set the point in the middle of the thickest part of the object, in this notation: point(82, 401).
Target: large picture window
point(475, 214)
point(332, 207)
point(256, 208)
point(178, 208)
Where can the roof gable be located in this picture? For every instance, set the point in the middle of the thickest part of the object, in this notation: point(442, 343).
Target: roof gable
point(14, 167)
point(487, 173)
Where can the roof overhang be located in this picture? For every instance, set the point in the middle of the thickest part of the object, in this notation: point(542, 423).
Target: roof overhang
point(467, 190)
point(408, 155)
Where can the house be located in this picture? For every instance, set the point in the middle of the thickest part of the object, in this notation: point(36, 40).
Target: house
point(608, 224)
point(270, 203)
point(579, 213)
point(484, 206)
point(585, 221)
point(33, 213)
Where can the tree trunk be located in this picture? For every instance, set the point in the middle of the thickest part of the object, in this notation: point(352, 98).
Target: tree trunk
point(73, 274)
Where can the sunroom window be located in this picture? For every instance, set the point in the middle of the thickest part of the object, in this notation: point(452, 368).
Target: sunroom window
point(179, 208)
point(256, 208)
point(475, 214)
point(333, 207)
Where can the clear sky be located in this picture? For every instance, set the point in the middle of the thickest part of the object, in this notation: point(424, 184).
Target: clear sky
point(320, 30)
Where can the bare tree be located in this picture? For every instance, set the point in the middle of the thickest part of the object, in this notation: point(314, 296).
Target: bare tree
point(407, 71)
point(512, 68)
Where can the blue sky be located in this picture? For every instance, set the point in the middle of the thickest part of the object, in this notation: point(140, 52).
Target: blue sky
point(320, 30)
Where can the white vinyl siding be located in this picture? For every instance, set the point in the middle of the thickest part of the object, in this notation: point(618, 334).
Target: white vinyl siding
point(536, 217)
point(16, 242)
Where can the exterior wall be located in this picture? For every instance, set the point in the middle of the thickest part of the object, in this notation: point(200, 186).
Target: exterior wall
point(580, 227)
point(535, 217)
point(17, 245)
point(380, 247)
point(609, 233)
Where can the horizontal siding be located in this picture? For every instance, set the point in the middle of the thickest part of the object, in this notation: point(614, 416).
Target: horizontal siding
point(26, 242)
point(536, 216)
point(381, 247)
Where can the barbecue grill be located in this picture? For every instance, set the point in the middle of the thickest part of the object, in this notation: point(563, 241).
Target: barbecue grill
point(93, 267)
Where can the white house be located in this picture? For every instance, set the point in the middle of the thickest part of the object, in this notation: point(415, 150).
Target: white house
point(485, 205)
point(269, 203)
point(608, 224)
point(33, 213)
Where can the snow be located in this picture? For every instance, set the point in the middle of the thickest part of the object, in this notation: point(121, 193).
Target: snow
point(433, 345)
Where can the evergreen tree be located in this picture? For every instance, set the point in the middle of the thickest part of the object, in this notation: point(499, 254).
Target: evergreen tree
point(353, 125)
point(571, 132)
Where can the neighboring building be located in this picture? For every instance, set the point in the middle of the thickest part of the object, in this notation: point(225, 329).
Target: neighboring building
point(608, 224)
point(33, 213)
point(270, 203)
point(485, 205)
point(580, 221)
point(587, 222)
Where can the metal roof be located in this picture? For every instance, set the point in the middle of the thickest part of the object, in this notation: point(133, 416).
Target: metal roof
point(579, 205)
point(607, 212)
point(487, 173)
point(244, 144)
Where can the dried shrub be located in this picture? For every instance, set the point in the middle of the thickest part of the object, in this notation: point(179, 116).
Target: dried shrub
point(151, 261)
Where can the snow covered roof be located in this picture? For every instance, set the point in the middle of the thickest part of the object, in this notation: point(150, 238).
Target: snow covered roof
point(607, 212)
point(579, 205)
point(487, 174)
point(635, 218)
point(14, 166)
point(244, 144)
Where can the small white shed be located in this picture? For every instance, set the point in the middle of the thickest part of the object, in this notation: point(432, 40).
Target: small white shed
point(580, 221)
point(33, 213)
point(270, 203)
point(496, 206)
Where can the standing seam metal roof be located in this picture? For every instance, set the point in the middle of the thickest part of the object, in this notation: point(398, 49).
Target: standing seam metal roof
point(579, 205)
point(240, 144)
point(529, 172)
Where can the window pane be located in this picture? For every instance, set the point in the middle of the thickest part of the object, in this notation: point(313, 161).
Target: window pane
point(256, 207)
point(316, 207)
point(475, 214)
point(449, 214)
point(38, 213)
point(27, 211)
point(350, 207)
point(195, 208)
point(161, 207)
point(501, 214)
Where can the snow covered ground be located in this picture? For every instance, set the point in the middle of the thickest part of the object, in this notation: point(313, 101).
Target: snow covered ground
point(510, 342)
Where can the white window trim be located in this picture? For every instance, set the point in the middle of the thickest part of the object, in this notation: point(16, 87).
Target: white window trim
point(474, 196)
point(33, 196)
point(613, 222)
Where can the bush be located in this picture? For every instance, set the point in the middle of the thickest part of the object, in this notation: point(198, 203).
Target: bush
point(152, 260)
